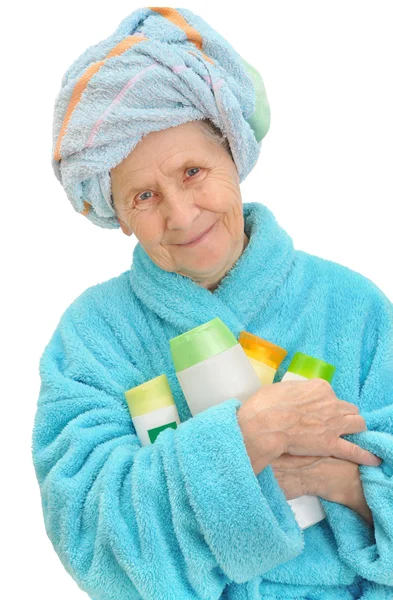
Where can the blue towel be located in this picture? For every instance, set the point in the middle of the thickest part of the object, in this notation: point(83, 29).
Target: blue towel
point(161, 67)
point(186, 518)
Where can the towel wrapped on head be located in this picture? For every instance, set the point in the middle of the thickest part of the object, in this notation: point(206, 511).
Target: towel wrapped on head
point(161, 67)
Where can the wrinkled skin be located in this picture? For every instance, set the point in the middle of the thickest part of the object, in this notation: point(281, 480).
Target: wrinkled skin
point(181, 184)
point(331, 478)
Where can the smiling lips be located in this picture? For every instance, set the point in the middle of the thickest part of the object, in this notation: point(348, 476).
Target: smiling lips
point(197, 238)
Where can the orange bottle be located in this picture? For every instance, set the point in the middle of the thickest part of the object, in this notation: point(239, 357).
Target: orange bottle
point(264, 356)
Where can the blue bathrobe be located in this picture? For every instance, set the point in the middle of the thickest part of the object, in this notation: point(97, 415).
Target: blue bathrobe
point(186, 518)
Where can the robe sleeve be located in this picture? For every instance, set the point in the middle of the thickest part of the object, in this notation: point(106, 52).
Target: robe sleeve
point(369, 549)
point(180, 518)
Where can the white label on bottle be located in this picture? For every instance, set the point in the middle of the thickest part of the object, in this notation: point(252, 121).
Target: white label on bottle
point(150, 421)
point(308, 510)
point(226, 375)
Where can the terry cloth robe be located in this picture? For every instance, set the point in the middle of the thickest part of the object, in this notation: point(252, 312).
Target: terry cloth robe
point(186, 518)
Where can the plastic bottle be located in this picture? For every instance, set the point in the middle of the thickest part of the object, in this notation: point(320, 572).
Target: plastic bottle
point(152, 408)
point(264, 356)
point(308, 509)
point(211, 366)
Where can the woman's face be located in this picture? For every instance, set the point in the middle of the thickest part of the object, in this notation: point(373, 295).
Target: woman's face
point(174, 186)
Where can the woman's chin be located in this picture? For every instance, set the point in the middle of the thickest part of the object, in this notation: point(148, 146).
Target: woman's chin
point(206, 258)
point(213, 250)
point(206, 262)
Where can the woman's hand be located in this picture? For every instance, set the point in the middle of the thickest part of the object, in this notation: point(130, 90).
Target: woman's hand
point(333, 479)
point(300, 418)
point(294, 473)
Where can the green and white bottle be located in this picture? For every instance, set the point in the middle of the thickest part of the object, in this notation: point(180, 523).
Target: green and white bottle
point(212, 367)
point(308, 509)
point(152, 408)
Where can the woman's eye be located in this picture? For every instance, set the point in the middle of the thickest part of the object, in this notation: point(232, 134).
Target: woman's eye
point(193, 169)
point(140, 197)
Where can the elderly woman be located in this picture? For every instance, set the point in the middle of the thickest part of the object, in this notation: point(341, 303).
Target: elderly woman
point(155, 128)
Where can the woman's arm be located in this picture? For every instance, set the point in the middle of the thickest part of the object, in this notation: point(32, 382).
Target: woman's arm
point(358, 499)
point(369, 550)
point(180, 518)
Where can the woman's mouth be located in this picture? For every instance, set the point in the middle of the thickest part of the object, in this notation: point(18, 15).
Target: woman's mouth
point(198, 240)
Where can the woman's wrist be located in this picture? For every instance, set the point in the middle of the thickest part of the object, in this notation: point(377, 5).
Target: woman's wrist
point(360, 506)
point(262, 446)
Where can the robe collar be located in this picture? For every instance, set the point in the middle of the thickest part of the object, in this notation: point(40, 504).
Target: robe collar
point(246, 289)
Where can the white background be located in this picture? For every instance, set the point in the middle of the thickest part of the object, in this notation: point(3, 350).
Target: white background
point(325, 171)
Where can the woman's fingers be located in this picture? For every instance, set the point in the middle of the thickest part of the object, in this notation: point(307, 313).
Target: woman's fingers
point(348, 451)
point(352, 424)
point(348, 407)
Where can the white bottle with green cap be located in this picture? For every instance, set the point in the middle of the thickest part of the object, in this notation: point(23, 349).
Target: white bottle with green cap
point(152, 408)
point(212, 367)
point(308, 509)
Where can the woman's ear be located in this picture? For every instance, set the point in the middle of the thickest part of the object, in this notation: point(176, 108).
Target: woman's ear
point(124, 227)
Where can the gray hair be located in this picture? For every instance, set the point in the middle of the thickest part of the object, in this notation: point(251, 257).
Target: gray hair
point(212, 133)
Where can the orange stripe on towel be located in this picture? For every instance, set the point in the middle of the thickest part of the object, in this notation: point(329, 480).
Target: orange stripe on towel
point(81, 84)
point(86, 209)
point(176, 18)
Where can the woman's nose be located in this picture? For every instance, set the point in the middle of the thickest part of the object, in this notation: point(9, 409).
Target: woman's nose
point(181, 212)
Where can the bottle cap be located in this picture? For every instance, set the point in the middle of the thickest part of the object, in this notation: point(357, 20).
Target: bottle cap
point(151, 395)
point(310, 367)
point(262, 350)
point(201, 343)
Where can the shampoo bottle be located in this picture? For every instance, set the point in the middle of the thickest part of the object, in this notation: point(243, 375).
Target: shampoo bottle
point(308, 509)
point(152, 408)
point(264, 356)
point(211, 366)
